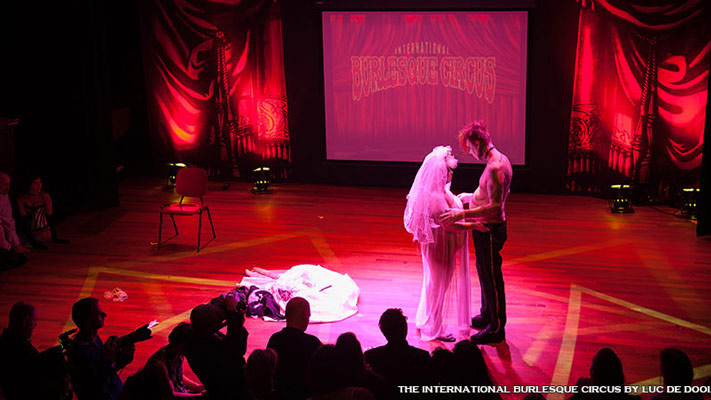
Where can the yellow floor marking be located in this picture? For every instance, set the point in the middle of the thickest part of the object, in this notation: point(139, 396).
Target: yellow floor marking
point(325, 250)
point(656, 314)
point(566, 252)
point(561, 373)
point(117, 268)
point(539, 343)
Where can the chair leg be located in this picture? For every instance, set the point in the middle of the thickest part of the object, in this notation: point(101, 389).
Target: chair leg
point(174, 225)
point(209, 217)
point(160, 229)
point(199, 231)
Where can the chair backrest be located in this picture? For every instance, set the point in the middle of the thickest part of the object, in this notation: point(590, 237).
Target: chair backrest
point(191, 182)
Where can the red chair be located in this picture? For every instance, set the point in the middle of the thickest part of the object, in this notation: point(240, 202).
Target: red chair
point(190, 182)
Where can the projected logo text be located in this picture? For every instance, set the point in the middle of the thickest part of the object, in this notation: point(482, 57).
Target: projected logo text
point(372, 74)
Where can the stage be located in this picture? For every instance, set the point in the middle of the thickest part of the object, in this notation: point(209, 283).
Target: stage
point(578, 278)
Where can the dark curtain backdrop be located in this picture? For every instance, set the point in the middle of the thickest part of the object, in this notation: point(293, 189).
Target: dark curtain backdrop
point(215, 84)
point(640, 94)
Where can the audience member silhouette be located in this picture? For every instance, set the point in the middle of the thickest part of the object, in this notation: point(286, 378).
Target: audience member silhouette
point(54, 375)
point(676, 370)
point(327, 376)
point(294, 347)
point(397, 362)
point(93, 364)
point(216, 358)
point(19, 360)
point(260, 372)
point(472, 369)
point(162, 377)
point(12, 253)
point(444, 370)
point(358, 373)
point(605, 370)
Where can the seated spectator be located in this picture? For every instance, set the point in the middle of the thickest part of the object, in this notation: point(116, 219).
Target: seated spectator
point(294, 347)
point(162, 377)
point(676, 370)
point(37, 215)
point(398, 362)
point(54, 375)
point(216, 358)
point(93, 365)
point(18, 375)
point(327, 376)
point(358, 373)
point(471, 369)
point(605, 370)
point(444, 370)
point(260, 372)
point(12, 253)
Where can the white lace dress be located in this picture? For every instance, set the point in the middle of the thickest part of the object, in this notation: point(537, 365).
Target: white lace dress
point(446, 282)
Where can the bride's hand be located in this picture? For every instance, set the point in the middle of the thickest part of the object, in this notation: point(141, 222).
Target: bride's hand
point(465, 197)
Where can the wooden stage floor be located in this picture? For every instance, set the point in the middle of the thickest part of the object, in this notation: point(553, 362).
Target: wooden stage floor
point(578, 278)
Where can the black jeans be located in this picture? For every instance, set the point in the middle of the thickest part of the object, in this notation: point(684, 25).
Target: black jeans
point(487, 247)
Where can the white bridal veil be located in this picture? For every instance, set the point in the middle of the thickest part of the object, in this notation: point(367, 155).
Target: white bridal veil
point(427, 188)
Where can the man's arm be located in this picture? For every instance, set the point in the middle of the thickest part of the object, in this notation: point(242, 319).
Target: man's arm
point(7, 224)
point(236, 337)
point(494, 188)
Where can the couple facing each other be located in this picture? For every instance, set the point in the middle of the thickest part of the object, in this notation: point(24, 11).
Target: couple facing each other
point(440, 226)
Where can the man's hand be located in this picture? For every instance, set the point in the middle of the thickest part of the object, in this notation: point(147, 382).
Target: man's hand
point(111, 348)
point(230, 302)
point(478, 226)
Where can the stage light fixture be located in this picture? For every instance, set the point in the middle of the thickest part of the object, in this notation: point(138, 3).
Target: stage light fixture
point(262, 180)
point(690, 196)
point(620, 199)
point(173, 169)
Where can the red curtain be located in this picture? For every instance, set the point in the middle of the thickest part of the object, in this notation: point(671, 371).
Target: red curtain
point(215, 82)
point(639, 101)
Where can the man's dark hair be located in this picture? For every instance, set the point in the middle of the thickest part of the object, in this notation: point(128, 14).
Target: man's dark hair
point(472, 132)
point(676, 367)
point(393, 324)
point(81, 310)
point(606, 369)
point(182, 333)
point(19, 312)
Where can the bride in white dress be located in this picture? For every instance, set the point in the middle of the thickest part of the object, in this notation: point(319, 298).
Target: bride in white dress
point(444, 248)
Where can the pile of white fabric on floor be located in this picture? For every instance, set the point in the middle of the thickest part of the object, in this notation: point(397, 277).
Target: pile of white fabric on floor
point(332, 296)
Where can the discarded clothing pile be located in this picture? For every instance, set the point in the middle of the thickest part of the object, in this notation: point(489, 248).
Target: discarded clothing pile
point(332, 296)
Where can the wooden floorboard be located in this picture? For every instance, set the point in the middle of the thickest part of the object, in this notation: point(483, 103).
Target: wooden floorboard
point(578, 278)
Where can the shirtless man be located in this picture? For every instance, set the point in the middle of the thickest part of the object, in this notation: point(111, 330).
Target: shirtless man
point(486, 205)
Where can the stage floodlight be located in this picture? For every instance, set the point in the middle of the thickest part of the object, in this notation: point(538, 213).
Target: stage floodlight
point(261, 177)
point(690, 196)
point(620, 199)
point(173, 169)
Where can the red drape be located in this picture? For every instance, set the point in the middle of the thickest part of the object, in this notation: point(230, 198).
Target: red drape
point(215, 82)
point(639, 100)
